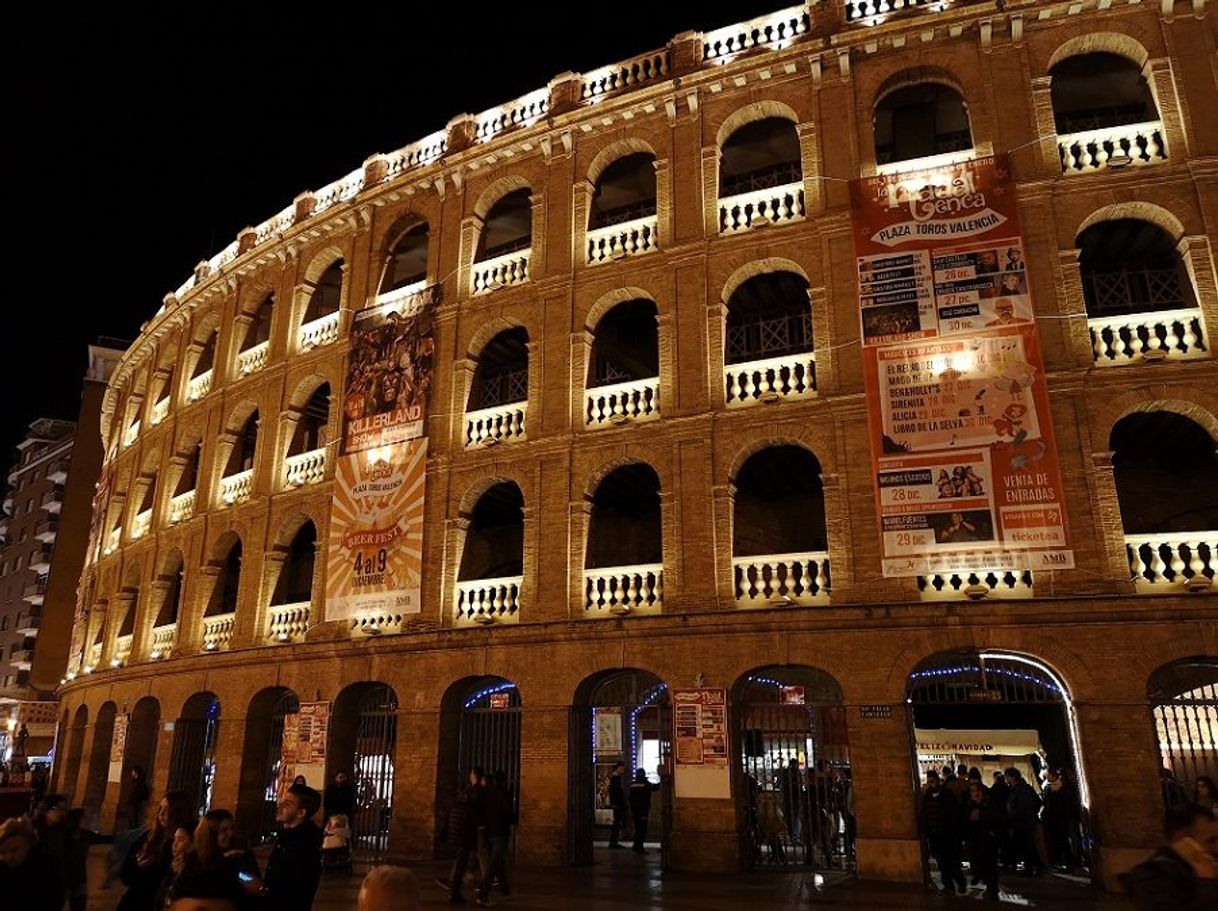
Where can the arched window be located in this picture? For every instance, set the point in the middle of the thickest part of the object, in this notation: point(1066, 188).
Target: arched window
point(624, 191)
point(223, 598)
point(1131, 266)
point(1166, 474)
point(259, 330)
point(624, 526)
point(626, 344)
point(494, 540)
point(768, 316)
point(408, 260)
point(502, 374)
point(760, 155)
point(921, 120)
point(207, 356)
point(508, 226)
point(171, 603)
point(295, 582)
point(241, 458)
point(314, 422)
point(149, 495)
point(327, 294)
point(1099, 90)
point(188, 480)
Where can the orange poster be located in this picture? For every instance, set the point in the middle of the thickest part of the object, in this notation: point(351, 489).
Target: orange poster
point(375, 549)
point(966, 468)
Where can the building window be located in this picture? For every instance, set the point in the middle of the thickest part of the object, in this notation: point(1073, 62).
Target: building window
point(919, 121)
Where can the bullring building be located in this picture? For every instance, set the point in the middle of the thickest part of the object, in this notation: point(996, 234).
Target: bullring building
point(619, 318)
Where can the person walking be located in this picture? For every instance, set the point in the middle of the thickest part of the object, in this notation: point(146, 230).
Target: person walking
point(940, 817)
point(1063, 811)
point(640, 808)
point(617, 803)
point(498, 817)
point(294, 867)
point(136, 800)
point(981, 827)
point(339, 798)
point(791, 786)
point(77, 840)
point(1000, 792)
point(148, 862)
point(1183, 874)
point(1023, 814)
point(461, 833)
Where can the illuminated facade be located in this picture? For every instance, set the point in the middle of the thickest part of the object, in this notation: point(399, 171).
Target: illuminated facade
point(648, 442)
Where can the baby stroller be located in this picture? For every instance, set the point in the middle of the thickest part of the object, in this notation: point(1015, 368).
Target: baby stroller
point(336, 845)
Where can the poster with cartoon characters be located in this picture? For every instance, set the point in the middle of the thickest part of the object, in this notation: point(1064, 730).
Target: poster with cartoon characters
point(966, 468)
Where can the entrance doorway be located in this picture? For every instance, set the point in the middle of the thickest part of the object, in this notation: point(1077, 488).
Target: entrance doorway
point(140, 753)
point(99, 764)
point(1184, 705)
point(618, 716)
point(363, 743)
point(995, 711)
point(262, 761)
point(794, 795)
point(192, 764)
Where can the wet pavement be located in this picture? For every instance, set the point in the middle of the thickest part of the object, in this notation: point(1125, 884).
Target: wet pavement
point(622, 880)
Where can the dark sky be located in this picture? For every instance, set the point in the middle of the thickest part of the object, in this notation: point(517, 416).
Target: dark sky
point(137, 145)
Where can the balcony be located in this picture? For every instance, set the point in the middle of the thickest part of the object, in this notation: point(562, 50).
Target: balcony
point(792, 376)
point(22, 658)
point(52, 501)
point(253, 359)
point(46, 531)
point(761, 208)
point(399, 295)
point(620, 590)
point(1164, 335)
point(163, 639)
point(34, 592)
point(775, 580)
point(141, 524)
point(181, 507)
point(218, 632)
point(616, 242)
point(975, 585)
point(40, 560)
point(93, 657)
point(490, 426)
point(199, 386)
point(159, 412)
point(877, 10)
point(112, 541)
point(288, 622)
point(500, 271)
point(29, 623)
point(57, 473)
point(1132, 145)
point(236, 487)
point(319, 332)
point(623, 403)
point(305, 468)
point(957, 149)
point(122, 650)
point(132, 433)
point(486, 601)
point(1183, 561)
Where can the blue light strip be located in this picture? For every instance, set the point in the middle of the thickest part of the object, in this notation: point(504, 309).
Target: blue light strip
point(649, 699)
point(482, 694)
point(1000, 671)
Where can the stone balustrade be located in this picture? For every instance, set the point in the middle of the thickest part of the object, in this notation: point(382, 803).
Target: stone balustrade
point(398, 295)
point(305, 468)
point(859, 10)
point(218, 632)
point(926, 163)
point(1126, 146)
point(416, 155)
point(1175, 335)
point(288, 622)
point(485, 601)
point(628, 74)
point(500, 272)
point(620, 590)
point(972, 585)
point(251, 360)
point(275, 225)
point(791, 376)
point(374, 624)
point(630, 238)
point(164, 638)
point(526, 110)
point(1173, 562)
point(141, 524)
point(760, 208)
point(199, 386)
point(777, 579)
point(160, 411)
point(236, 487)
point(488, 426)
point(773, 31)
point(181, 507)
point(321, 331)
point(339, 191)
point(93, 657)
point(131, 434)
point(621, 403)
point(122, 650)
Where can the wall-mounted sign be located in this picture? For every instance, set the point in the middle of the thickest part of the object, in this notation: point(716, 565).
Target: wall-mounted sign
point(875, 711)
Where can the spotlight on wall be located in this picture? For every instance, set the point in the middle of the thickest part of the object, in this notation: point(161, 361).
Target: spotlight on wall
point(976, 592)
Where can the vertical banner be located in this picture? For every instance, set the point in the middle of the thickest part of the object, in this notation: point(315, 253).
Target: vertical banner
point(287, 751)
point(118, 746)
point(700, 742)
point(965, 464)
point(375, 544)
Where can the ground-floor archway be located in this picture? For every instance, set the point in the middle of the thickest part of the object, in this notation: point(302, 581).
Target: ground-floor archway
point(791, 763)
point(139, 753)
point(618, 716)
point(363, 741)
point(1183, 699)
point(73, 749)
point(99, 764)
point(262, 760)
point(192, 762)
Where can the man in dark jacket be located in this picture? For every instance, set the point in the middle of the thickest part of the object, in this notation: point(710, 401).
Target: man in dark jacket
point(340, 798)
point(1182, 875)
point(640, 807)
point(294, 868)
point(461, 833)
point(1023, 815)
point(940, 817)
point(617, 802)
point(498, 817)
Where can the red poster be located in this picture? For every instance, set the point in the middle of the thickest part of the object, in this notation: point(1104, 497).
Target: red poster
point(700, 726)
point(966, 468)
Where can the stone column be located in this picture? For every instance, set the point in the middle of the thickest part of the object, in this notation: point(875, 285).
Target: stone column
point(1110, 530)
point(580, 515)
point(455, 530)
point(809, 153)
point(822, 338)
point(1046, 126)
point(542, 835)
point(664, 202)
point(230, 738)
point(581, 209)
point(412, 826)
point(464, 372)
point(1073, 307)
point(1198, 258)
point(710, 190)
point(471, 230)
point(1158, 75)
point(723, 508)
point(537, 255)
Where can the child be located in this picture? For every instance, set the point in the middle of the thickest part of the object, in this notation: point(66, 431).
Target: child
point(336, 844)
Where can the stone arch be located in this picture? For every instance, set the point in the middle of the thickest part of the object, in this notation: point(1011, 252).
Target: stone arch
point(496, 474)
point(1100, 42)
point(322, 260)
point(305, 387)
point(918, 75)
point(489, 329)
point(239, 413)
point(613, 151)
point(1140, 210)
point(758, 110)
point(606, 468)
point(762, 266)
point(608, 301)
point(220, 548)
point(405, 220)
point(498, 189)
point(805, 440)
point(292, 523)
point(1130, 403)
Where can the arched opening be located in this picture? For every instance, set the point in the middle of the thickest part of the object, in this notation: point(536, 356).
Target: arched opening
point(760, 155)
point(207, 356)
point(129, 599)
point(624, 526)
point(779, 531)
point(241, 456)
point(327, 294)
point(794, 799)
point(192, 762)
point(479, 728)
point(624, 365)
point(1131, 266)
point(619, 716)
point(172, 580)
point(501, 376)
point(312, 427)
point(259, 331)
point(407, 261)
point(988, 712)
point(74, 749)
point(1183, 700)
point(508, 226)
point(263, 774)
point(223, 598)
point(139, 753)
point(1099, 90)
point(147, 496)
point(188, 480)
point(363, 743)
point(768, 342)
point(99, 764)
point(295, 582)
point(494, 540)
point(624, 191)
point(919, 121)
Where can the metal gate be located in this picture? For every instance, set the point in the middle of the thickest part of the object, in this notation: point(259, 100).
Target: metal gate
point(375, 740)
point(192, 764)
point(285, 705)
point(1184, 706)
point(489, 735)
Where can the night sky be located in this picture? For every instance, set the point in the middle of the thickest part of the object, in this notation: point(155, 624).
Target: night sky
point(141, 144)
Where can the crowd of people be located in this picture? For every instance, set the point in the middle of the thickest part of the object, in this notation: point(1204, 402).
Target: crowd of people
point(812, 808)
point(478, 827)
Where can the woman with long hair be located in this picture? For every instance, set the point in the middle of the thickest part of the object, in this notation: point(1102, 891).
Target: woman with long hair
point(149, 861)
point(216, 855)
